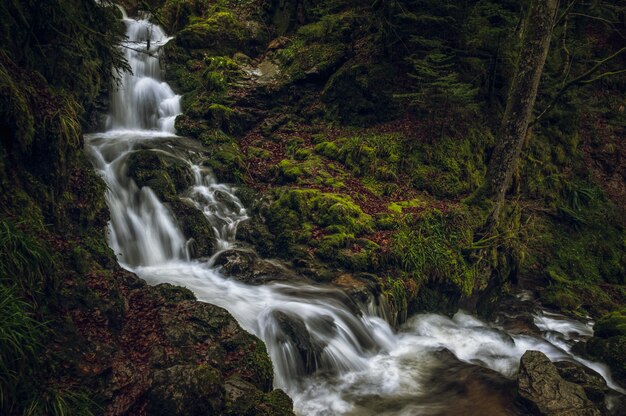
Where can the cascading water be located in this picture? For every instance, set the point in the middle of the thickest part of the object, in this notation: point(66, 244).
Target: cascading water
point(357, 364)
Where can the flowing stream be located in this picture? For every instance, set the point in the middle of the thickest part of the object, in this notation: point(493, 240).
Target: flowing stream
point(360, 364)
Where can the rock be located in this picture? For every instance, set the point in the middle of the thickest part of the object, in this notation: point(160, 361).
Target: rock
point(362, 286)
point(242, 398)
point(195, 226)
point(544, 391)
point(611, 325)
point(247, 267)
point(295, 330)
point(200, 332)
point(594, 385)
point(165, 175)
point(612, 351)
point(186, 389)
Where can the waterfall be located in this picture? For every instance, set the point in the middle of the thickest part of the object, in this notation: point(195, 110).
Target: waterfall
point(142, 101)
point(343, 362)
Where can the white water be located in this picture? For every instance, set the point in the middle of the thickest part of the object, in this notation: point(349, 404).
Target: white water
point(364, 367)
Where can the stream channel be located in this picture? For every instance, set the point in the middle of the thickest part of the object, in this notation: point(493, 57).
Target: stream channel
point(431, 365)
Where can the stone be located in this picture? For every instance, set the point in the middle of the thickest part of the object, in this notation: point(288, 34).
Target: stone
point(545, 392)
point(247, 267)
point(594, 385)
point(295, 330)
point(187, 389)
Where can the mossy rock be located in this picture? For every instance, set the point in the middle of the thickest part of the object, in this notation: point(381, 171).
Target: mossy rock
point(226, 161)
point(190, 127)
point(311, 61)
point(332, 211)
point(194, 225)
point(165, 175)
point(243, 398)
point(612, 351)
point(221, 33)
point(611, 325)
point(358, 93)
point(176, 14)
point(186, 389)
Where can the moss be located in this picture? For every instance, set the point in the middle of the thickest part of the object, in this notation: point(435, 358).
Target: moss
point(611, 351)
point(190, 127)
point(258, 152)
point(561, 297)
point(226, 161)
point(397, 207)
point(257, 367)
point(359, 93)
point(220, 32)
point(277, 403)
point(611, 325)
point(194, 225)
point(165, 175)
point(296, 210)
point(310, 61)
point(328, 149)
point(289, 171)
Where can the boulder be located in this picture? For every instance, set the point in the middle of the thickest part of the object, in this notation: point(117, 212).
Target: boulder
point(594, 385)
point(296, 332)
point(612, 351)
point(164, 174)
point(187, 389)
point(242, 398)
point(194, 226)
point(542, 390)
point(247, 267)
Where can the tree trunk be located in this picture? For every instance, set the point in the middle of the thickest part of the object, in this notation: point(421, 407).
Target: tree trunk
point(520, 101)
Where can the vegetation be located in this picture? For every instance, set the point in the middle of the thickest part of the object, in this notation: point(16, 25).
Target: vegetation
point(397, 143)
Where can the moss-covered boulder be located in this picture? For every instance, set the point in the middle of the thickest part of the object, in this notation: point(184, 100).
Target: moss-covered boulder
point(611, 351)
point(186, 389)
point(164, 174)
point(359, 93)
point(243, 399)
point(220, 32)
point(611, 325)
point(315, 61)
point(247, 267)
point(194, 226)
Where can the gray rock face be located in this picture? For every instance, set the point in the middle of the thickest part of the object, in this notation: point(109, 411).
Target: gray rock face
point(542, 389)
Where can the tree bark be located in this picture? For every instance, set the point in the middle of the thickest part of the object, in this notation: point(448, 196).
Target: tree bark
point(520, 101)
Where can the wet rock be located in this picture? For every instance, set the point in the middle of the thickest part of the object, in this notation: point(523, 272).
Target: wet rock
point(195, 226)
point(165, 175)
point(594, 385)
point(362, 286)
point(545, 392)
point(295, 330)
point(247, 267)
point(242, 398)
point(612, 351)
point(187, 389)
